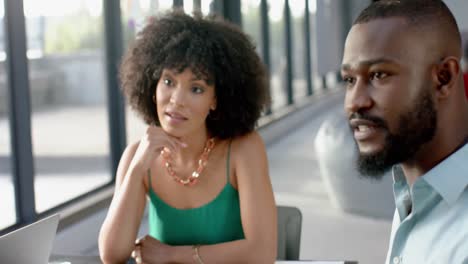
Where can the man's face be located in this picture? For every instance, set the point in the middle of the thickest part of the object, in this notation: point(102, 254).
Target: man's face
point(388, 100)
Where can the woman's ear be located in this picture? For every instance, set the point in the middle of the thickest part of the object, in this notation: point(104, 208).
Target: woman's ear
point(213, 105)
point(446, 76)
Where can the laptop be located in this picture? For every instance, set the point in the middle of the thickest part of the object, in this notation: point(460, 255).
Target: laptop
point(31, 244)
point(315, 262)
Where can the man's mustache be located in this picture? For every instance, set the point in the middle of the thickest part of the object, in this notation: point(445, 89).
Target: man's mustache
point(378, 122)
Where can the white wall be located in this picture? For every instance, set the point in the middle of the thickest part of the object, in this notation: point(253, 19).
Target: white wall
point(459, 9)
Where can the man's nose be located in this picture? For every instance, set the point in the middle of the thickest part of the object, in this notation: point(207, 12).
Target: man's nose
point(358, 97)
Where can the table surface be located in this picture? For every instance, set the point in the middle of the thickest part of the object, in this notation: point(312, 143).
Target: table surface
point(59, 259)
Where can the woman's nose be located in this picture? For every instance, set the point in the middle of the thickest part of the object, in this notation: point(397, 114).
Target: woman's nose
point(177, 97)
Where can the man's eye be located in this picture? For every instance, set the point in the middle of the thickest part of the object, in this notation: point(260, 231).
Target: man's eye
point(348, 80)
point(378, 75)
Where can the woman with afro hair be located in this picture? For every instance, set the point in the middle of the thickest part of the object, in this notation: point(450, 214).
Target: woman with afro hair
point(200, 87)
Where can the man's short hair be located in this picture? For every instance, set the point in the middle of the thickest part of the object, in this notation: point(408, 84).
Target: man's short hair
point(430, 13)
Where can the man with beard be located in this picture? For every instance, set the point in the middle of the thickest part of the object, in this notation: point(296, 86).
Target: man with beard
point(407, 109)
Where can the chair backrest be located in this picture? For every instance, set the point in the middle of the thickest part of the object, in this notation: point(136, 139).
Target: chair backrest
point(289, 232)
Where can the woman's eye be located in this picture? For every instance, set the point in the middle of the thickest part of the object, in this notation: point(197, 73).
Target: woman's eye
point(167, 82)
point(197, 90)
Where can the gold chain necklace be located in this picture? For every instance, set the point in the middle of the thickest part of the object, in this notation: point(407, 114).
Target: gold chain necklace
point(202, 162)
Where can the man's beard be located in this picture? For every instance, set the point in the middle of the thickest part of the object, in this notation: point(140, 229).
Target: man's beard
point(416, 127)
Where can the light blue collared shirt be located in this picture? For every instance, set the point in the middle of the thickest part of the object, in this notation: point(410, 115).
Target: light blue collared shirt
point(436, 230)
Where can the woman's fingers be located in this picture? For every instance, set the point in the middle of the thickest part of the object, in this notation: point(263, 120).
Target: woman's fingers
point(136, 255)
point(151, 145)
point(140, 240)
point(160, 139)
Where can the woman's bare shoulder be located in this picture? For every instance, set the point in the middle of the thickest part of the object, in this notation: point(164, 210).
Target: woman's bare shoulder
point(248, 149)
point(248, 143)
point(125, 161)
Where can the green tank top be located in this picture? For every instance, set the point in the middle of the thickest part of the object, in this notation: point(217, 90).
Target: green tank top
point(215, 222)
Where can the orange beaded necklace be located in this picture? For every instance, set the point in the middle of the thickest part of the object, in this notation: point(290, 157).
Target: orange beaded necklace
point(202, 162)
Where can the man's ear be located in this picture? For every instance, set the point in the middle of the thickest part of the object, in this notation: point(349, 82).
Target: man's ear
point(446, 75)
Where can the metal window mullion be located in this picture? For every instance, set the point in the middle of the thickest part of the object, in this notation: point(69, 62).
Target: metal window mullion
point(217, 7)
point(115, 100)
point(288, 50)
point(20, 111)
point(197, 6)
point(265, 35)
point(232, 11)
point(346, 24)
point(178, 3)
point(308, 62)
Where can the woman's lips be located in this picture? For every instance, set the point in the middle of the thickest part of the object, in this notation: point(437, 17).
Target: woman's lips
point(175, 117)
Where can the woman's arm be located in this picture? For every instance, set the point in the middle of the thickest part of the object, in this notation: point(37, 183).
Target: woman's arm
point(120, 228)
point(258, 211)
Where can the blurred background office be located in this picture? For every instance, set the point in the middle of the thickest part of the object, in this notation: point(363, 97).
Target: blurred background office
point(64, 123)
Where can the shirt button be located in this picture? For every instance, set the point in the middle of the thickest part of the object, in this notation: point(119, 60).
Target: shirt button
point(397, 260)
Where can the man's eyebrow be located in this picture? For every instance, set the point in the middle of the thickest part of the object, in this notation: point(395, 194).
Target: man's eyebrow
point(366, 63)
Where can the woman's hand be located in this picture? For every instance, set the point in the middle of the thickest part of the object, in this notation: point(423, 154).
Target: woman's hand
point(151, 144)
point(151, 251)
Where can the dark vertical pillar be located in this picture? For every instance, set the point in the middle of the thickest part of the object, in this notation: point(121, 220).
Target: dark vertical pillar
point(265, 27)
point(232, 11)
point(289, 48)
point(115, 101)
point(20, 111)
point(178, 3)
point(308, 61)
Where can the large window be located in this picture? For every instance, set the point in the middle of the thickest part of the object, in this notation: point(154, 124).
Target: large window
point(69, 117)
point(203, 6)
point(251, 22)
point(297, 8)
point(278, 60)
point(135, 14)
point(316, 81)
point(7, 195)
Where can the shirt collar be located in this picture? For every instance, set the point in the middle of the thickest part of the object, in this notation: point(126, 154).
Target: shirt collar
point(449, 178)
point(398, 175)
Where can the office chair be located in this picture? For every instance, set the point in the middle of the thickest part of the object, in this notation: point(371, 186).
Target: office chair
point(289, 232)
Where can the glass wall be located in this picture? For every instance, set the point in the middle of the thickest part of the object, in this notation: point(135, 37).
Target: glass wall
point(69, 117)
point(206, 6)
point(252, 21)
point(278, 66)
point(316, 81)
point(7, 193)
point(135, 15)
point(203, 6)
point(297, 8)
point(136, 12)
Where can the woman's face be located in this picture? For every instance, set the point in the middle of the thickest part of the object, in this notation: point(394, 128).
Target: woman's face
point(183, 102)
